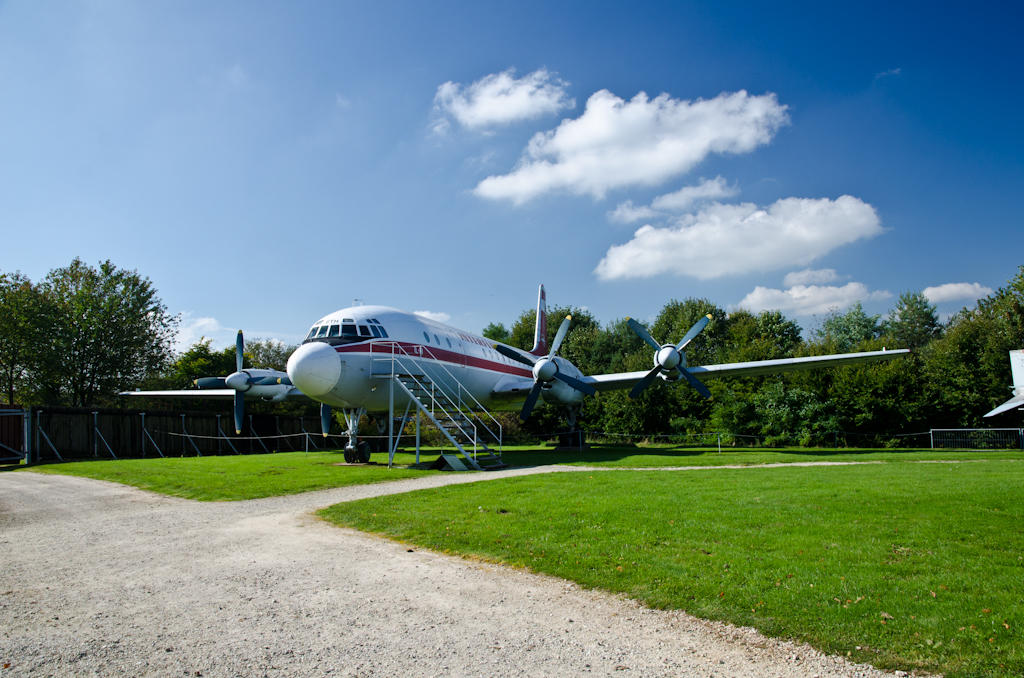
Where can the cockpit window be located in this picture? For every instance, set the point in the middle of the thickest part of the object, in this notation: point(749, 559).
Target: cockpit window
point(364, 331)
point(334, 331)
point(376, 332)
point(348, 331)
point(323, 331)
point(383, 333)
point(337, 334)
point(312, 332)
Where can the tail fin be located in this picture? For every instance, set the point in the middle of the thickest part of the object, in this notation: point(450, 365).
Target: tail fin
point(540, 332)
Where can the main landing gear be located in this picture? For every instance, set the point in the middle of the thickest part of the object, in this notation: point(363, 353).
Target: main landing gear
point(572, 438)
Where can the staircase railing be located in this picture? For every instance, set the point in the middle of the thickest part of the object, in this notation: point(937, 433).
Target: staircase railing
point(397, 353)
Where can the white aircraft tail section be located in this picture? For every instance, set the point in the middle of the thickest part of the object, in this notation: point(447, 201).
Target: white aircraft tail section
point(540, 331)
point(1017, 370)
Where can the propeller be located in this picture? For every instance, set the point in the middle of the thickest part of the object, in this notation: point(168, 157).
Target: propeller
point(668, 357)
point(545, 370)
point(240, 382)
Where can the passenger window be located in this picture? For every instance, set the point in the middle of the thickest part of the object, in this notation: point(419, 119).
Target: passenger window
point(376, 332)
point(335, 330)
point(427, 337)
point(364, 331)
point(449, 342)
point(348, 330)
point(323, 331)
point(437, 340)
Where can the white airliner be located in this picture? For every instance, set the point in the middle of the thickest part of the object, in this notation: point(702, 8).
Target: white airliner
point(351, 358)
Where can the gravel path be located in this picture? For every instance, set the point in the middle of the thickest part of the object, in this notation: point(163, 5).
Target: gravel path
point(102, 579)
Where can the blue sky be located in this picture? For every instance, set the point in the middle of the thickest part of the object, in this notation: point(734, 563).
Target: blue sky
point(267, 163)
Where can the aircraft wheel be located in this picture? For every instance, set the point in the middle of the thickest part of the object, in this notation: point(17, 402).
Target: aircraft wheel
point(363, 453)
point(350, 457)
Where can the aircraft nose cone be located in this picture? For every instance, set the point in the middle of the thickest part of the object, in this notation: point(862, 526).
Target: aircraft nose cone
point(314, 368)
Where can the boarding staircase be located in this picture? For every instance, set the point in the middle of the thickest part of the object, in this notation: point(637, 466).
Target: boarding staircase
point(450, 407)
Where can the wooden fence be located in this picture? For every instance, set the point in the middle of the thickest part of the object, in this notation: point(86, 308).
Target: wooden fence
point(73, 433)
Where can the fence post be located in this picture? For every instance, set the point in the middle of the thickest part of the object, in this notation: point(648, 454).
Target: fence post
point(26, 422)
point(931, 437)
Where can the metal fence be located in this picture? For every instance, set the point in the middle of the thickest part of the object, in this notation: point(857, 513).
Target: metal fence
point(977, 438)
point(59, 434)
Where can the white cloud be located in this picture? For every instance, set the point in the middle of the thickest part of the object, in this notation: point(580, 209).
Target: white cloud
point(500, 99)
point(685, 197)
point(439, 317)
point(616, 143)
point(810, 276)
point(956, 291)
point(341, 102)
point(192, 330)
point(892, 71)
point(627, 213)
point(809, 299)
point(736, 239)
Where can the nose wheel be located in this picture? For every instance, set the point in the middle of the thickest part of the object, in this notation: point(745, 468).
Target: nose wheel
point(360, 455)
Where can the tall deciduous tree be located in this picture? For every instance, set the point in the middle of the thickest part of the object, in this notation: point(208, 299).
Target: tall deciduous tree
point(913, 322)
point(23, 322)
point(110, 331)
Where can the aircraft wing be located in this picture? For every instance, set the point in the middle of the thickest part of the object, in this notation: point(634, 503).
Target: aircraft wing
point(185, 393)
point(1016, 401)
point(612, 382)
point(227, 393)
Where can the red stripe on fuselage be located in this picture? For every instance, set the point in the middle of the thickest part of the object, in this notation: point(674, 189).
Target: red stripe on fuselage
point(433, 353)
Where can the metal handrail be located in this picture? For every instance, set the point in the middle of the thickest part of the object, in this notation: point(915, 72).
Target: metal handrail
point(437, 363)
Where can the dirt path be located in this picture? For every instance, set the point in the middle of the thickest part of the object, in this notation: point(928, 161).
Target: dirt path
point(102, 579)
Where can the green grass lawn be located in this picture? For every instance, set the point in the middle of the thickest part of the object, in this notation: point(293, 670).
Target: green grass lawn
point(653, 456)
point(907, 566)
point(239, 477)
point(265, 475)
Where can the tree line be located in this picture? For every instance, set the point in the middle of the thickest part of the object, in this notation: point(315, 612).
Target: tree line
point(83, 334)
point(957, 371)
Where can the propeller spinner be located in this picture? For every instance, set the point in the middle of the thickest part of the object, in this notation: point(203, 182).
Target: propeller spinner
point(668, 357)
point(545, 370)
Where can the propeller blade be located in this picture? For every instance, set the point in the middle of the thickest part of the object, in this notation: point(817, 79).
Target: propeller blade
point(696, 383)
point(562, 331)
point(644, 383)
point(642, 332)
point(325, 418)
point(239, 351)
point(694, 331)
point(531, 400)
point(239, 411)
point(576, 384)
point(515, 355)
point(210, 382)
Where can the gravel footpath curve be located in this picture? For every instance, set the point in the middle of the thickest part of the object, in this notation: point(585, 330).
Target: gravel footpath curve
point(103, 579)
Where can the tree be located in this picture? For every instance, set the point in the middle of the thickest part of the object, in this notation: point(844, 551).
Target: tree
point(268, 354)
point(845, 330)
point(22, 331)
point(110, 331)
point(913, 323)
point(496, 332)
